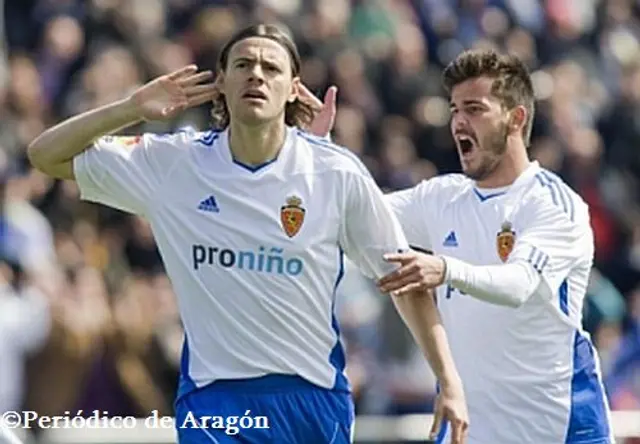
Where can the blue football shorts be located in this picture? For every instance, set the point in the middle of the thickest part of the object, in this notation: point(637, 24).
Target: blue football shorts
point(270, 409)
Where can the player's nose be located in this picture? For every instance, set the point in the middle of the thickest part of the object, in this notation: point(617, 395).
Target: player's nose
point(460, 127)
point(459, 121)
point(256, 74)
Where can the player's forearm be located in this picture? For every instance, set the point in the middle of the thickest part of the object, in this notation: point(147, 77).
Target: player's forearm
point(420, 315)
point(509, 284)
point(62, 142)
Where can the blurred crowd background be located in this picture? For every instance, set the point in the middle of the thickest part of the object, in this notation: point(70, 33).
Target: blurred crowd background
point(87, 316)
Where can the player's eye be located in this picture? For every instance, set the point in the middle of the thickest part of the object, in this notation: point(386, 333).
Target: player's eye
point(272, 68)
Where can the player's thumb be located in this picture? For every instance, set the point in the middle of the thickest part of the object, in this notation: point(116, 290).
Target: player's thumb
point(438, 417)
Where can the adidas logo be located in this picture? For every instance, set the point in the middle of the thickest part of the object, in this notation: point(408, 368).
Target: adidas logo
point(209, 204)
point(450, 240)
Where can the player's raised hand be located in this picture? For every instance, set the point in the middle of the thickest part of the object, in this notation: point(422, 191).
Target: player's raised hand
point(325, 111)
point(168, 95)
point(417, 272)
point(451, 407)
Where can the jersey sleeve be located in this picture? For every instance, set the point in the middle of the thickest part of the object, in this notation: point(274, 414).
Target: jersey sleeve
point(552, 241)
point(126, 172)
point(370, 229)
point(408, 206)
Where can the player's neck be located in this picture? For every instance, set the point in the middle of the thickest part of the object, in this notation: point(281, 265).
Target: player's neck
point(257, 144)
point(512, 165)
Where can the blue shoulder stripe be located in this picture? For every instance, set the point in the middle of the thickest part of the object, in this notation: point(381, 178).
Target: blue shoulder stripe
point(559, 194)
point(321, 142)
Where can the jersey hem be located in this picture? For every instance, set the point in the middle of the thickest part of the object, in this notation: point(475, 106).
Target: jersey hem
point(592, 441)
point(271, 383)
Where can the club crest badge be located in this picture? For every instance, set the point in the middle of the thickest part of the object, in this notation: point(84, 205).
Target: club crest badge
point(505, 241)
point(127, 141)
point(292, 216)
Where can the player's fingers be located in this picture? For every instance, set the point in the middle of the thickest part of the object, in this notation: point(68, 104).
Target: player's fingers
point(195, 79)
point(201, 98)
point(457, 432)
point(330, 97)
point(409, 273)
point(187, 70)
point(399, 282)
point(398, 257)
point(409, 285)
point(408, 289)
point(309, 98)
point(200, 89)
point(437, 424)
point(399, 273)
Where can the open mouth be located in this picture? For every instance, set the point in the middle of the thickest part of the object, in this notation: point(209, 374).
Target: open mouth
point(254, 95)
point(466, 144)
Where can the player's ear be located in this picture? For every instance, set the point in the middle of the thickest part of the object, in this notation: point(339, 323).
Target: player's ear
point(219, 82)
point(295, 90)
point(518, 119)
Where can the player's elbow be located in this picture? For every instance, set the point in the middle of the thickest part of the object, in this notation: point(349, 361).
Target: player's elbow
point(516, 299)
point(510, 299)
point(34, 154)
point(38, 154)
point(43, 158)
point(515, 302)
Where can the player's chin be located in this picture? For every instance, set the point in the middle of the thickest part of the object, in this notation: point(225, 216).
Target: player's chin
point(467, 166)
point(471, 171)
point(255, 116)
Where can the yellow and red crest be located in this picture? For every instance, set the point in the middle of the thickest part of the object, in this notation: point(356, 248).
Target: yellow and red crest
point(292, 216)
point(505, 241)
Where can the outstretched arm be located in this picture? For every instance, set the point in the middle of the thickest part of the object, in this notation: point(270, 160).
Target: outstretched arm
point(163, 98)
point(549, 245)
point(510, 285)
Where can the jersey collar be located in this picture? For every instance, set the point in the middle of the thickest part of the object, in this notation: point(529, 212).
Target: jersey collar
point(252, 169)
point(528, 174)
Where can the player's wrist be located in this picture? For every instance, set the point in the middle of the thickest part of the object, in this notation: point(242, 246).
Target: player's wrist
point(451, 382)
point(443, 272)
point(449, 269)
point(130, 109)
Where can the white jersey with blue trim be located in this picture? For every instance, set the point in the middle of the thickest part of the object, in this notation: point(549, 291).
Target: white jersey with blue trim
point(531, 374)
point(254, 253)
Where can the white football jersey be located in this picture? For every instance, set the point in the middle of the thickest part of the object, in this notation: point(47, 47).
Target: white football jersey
point(254, 253)
point(531, 374)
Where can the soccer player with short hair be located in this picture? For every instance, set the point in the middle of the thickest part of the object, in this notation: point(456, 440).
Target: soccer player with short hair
point(512, 251)
point(252, 221)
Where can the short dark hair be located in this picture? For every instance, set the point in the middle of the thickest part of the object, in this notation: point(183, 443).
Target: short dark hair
point(297, 113)
point(512, 83)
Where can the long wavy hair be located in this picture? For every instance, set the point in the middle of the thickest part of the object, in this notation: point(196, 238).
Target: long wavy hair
point(297, 113)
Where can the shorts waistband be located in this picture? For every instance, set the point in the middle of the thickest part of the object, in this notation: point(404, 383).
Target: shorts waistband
point(267, 383)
